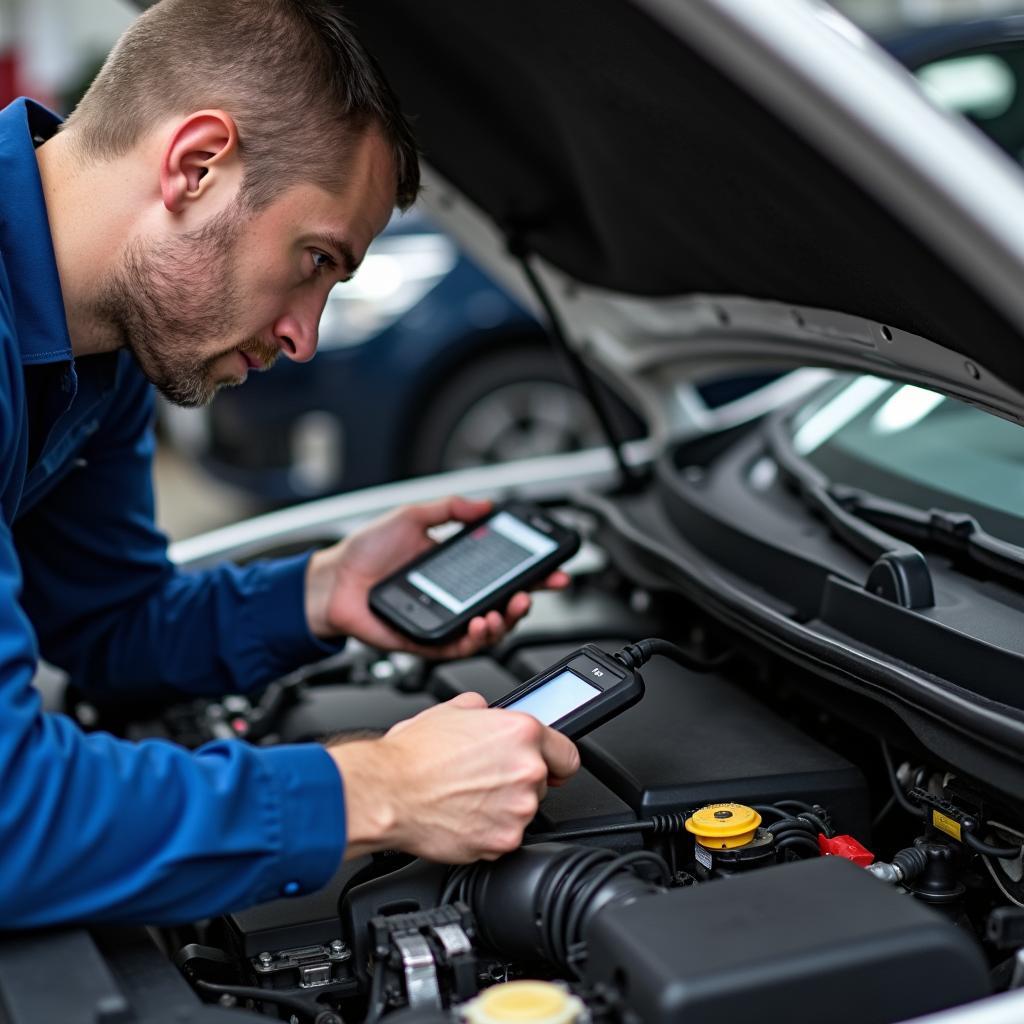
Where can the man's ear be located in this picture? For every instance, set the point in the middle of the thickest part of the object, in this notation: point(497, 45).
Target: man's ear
point(201, 153)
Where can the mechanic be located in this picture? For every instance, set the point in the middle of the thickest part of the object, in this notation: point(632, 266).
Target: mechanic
point(229, 166)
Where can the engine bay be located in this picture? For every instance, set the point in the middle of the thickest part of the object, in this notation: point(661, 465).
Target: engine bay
point(746, 842)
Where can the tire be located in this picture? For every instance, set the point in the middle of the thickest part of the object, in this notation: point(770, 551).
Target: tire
point(508, 405)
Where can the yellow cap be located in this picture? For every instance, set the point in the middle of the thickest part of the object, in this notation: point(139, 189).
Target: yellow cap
point(724, 826)
point(536, 1002)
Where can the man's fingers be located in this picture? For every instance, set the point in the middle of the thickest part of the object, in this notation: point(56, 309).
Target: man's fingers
point(495, 627)
point(468, 509)
point(468, 644)
point(477, 633)
point(431, 513)
point(470, 699)
point(444, 510)
point(481, 631)
point(558, 580)
point(517, 607)
point(561, 755)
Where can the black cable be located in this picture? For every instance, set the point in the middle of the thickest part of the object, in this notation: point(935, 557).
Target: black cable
point(587, 833)
point(659, 825)
point(798, 841)
point(264, 995)
point(631, 480)
point(581, 903)
point(798, 804)
point(454, 884)
point(636, 655)
point(792, 826)
point(807, 824)
point(1000, 852)
point(764, 809)
point(561, 903)
point(795, 837)
point(820, 823)
point(376, 1004)
point(976, 844)
point(887, 807)
point(897, 790)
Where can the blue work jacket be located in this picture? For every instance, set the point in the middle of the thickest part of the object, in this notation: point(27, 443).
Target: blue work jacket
point(93, 828)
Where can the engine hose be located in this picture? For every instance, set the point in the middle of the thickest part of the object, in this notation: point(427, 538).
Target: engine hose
point(545, 895)
point(805, 823)
point(792, 825)
point(779, 813)
point(821, 822)
point(799, 842)
point(800, 805)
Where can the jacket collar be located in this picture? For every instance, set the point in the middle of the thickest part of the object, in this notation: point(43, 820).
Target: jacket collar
point(26, 248)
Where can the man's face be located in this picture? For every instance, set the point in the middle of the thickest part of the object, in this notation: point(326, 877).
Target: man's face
point(201, 309)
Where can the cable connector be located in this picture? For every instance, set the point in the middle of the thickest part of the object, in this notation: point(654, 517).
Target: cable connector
point(846, 847)
point(905, 867)
point(958, 824)
point(634, 656)
point(671, 823)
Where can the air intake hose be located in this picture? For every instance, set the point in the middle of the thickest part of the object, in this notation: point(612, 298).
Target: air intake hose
point(535, 903)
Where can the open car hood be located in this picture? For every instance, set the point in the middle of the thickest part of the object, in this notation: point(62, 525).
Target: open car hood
point(717, 179)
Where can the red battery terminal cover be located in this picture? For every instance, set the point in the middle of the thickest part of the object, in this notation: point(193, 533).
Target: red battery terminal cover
point(846, 847)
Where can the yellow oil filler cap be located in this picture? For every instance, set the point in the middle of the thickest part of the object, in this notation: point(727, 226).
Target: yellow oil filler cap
point(536, 1002)
point(724, 826)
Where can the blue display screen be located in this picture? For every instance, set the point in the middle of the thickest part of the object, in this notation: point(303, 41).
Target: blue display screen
point(556, 698)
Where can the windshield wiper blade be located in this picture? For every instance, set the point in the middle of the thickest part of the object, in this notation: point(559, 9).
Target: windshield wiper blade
point(885, 531)
point(957, 534)
point(899, 572)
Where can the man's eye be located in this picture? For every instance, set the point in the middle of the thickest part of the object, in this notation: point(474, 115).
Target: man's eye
point(321, 261)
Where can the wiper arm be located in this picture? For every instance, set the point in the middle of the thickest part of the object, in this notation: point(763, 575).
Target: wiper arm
point(955, 533)
point(879, 529)
point(899, 572)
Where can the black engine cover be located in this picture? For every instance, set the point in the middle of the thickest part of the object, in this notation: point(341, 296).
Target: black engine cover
point(803, 943)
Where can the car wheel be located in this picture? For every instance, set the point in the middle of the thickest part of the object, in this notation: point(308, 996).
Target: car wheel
point(511, 405)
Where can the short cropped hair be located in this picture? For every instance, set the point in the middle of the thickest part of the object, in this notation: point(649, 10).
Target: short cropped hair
point(291, 73)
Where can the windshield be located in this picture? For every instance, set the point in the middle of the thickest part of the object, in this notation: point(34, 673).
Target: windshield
point(915, 446)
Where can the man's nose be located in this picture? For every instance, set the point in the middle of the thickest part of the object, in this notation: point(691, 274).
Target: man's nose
point(297, 333)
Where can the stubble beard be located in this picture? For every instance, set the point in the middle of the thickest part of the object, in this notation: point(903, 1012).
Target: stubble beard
point(166, 301)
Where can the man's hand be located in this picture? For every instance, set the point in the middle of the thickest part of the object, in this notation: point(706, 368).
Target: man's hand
point(339, 580)
point(457, 783)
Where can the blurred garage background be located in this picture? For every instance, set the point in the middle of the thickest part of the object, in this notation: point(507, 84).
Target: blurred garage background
point(424, 363)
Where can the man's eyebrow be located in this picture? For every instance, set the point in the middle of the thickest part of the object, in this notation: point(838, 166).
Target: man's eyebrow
point(340, 249)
